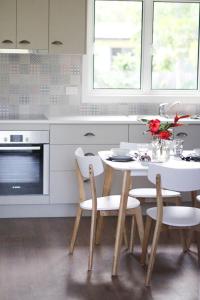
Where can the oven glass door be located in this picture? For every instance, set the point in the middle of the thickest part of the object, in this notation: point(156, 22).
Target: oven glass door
point(21, 169)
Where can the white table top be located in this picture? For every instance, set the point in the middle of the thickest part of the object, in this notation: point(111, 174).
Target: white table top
point(140, 170)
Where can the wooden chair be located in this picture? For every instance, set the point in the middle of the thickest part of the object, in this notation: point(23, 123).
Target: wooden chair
point(176, 176)
point(147, 195)
point(90, 167)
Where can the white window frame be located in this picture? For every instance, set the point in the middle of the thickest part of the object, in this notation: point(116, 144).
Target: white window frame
point(145, 94)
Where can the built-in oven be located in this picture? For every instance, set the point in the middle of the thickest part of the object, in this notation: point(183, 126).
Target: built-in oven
point(24, 162)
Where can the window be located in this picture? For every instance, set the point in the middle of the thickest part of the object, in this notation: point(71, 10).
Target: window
point(137, 49)
point(117, 44)
point(175, 44)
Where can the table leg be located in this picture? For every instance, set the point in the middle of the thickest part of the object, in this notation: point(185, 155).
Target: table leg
point(121, 221)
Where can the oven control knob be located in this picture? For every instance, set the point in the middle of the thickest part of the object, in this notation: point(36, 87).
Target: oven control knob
point(5, 139)
point(26, 139)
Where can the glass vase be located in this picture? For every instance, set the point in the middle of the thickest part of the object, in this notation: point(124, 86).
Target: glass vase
point(160, 150)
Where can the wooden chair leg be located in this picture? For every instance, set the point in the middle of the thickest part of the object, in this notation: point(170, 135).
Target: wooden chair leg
point(184, 240)
point(75, 230)
point(125, 236)
point(181, 231)
point(153, 253)
point(193, 196)
point(132, 234)
point(140, 224)
point(99, 229)
point(146, 240)
point(92, 239)
point(121, 221)
point(197, 238)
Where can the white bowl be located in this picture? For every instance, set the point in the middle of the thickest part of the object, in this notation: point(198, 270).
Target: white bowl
point(119, 152)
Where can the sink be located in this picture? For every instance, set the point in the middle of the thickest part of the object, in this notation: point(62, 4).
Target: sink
point(195, 117)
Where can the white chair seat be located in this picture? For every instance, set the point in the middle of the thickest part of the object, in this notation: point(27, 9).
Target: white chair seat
point(198, 198)
point(151, 193)
point(178, 216)
point(109, 203)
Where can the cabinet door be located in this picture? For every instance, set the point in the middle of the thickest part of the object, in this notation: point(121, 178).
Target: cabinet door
point(62, 157)
point(32, 24)
point(64, 187)
point(67, 26)
point(137, 134)
point(8, 23)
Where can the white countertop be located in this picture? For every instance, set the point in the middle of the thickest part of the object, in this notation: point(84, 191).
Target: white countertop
point(92, 120)
point(132, 119)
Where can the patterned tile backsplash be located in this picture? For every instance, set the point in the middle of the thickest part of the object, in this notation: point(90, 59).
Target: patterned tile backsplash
point(35, 84)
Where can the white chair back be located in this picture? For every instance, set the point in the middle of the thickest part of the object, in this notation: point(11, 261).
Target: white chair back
point(85, 161)
point(180, 176)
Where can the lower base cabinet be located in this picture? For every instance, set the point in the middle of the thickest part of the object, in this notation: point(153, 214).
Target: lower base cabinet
point(64, 187)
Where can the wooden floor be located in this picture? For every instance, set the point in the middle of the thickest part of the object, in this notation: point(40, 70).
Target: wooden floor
point(34, 264)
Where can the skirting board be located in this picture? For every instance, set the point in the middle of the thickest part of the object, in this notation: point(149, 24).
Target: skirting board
point(37, 211)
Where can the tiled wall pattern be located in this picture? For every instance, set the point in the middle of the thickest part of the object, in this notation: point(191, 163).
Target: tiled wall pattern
point(35, 84)
point(31, 83)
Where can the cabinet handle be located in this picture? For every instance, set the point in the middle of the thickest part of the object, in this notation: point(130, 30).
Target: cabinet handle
point(181, 134)
point(7, 42)
point(57, 43)
point(24, 42)
point(89, 154)
point(89, 134)
point(86, 180)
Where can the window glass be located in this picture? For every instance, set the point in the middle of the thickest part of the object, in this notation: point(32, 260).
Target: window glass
point(117, 44)
point(175, 45)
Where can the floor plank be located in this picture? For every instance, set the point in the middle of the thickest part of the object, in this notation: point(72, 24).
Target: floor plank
point(35, 264)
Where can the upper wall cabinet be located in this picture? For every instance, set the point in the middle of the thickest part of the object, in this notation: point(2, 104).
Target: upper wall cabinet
point(67, 26)
point(57, 25)
point(8, 23)
point(32, 24)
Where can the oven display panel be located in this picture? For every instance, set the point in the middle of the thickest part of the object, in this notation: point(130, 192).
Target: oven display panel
point(16, 138)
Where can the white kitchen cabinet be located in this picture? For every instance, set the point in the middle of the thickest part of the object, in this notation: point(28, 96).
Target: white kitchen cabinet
point(64, 140)
point(8, 23)
point(62, 156)
point(56, 25)
point(88, 134)
point(64, 187)
point(137, 134)
point(32, 24)
point(67, 26)
point(189, 133)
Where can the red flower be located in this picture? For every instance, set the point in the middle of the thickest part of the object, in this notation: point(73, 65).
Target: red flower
point(154, 126)
point(177, 118)
point(165, 135)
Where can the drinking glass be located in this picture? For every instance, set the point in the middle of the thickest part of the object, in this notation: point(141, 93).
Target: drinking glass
point(142, 149)
point(178, 147)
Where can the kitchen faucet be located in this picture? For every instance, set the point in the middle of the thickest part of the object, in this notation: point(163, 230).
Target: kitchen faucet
point(164, 107)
